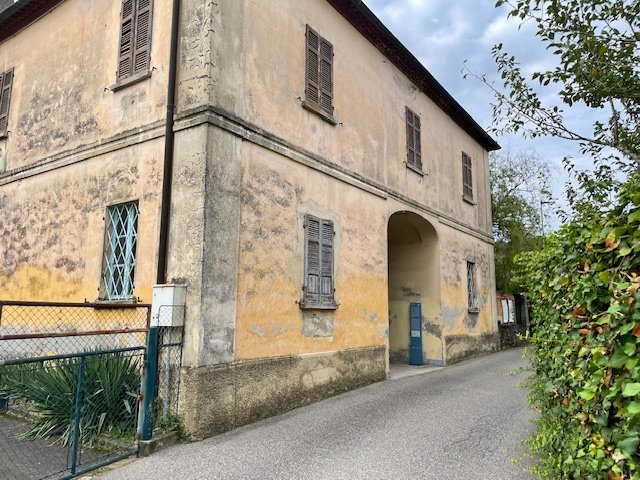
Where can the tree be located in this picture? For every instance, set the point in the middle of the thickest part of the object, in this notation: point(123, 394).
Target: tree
point(519, 191)
point(597, 46)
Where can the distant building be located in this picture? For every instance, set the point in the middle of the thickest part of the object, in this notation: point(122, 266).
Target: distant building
point(513, 318)
point(322, 182)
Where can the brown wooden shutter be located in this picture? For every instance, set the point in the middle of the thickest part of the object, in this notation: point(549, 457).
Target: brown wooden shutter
point(414, 152)
point(312, 261)
point(125, 67)
point(411, 158)
point(6, 82)
point(326, 259)
point(467, 179)
point(142, 43)
point(326, 76)
point(313, 67)
point(416, 139)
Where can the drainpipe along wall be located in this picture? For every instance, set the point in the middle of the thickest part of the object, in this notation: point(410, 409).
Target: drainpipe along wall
point(165, 208)
point(151, 363)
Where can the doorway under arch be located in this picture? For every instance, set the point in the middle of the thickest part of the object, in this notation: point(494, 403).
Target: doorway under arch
point(413, 277)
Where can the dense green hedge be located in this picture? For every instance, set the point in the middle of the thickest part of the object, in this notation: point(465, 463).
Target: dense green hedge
point(584, 288)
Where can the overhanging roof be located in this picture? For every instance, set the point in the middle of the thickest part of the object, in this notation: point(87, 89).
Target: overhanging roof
point(17, 15)
point(363, 19)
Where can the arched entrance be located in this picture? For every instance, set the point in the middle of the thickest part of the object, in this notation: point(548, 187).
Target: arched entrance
point(413, 279)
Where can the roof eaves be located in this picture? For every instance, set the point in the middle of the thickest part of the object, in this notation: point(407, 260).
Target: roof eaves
point(370, 26)
point(21, 13)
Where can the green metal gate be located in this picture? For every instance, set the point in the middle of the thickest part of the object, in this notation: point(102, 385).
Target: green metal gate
point(73, 379)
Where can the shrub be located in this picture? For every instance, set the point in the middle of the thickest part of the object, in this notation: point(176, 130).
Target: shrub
point(111, 385)
point(584, 289)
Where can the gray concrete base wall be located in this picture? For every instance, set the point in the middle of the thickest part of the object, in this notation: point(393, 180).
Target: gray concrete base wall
point(462, 347)
point(216, 399)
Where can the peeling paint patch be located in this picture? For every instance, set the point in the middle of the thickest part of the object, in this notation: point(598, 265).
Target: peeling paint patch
point(471, 320)
point(48, 125)
point(384, 331)
point(450, 314)
point(431, 327)
point(317, 325)
point(373, 316)
point(258, 330)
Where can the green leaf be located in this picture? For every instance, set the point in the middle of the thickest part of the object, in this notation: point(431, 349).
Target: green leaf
point(631, 389)
point(618, 359)
point(634, 407)
point(624, 251)
point(629, 445)
point(629, 348)
point(626, 328)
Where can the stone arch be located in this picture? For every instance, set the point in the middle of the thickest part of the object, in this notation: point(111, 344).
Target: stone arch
point(413, 277)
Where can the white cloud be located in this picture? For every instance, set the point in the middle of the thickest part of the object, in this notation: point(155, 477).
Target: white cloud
point(497, 30)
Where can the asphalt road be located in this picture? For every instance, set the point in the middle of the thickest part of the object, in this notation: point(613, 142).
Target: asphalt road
point(466, 421)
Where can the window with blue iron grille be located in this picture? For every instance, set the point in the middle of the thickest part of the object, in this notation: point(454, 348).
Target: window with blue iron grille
point(120, 251)
point(472, 300)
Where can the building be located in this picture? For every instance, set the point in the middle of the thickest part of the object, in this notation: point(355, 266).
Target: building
point(322, 182)
point(513, 319)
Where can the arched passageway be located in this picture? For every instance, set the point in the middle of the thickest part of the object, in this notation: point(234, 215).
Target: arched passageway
point(413, 280)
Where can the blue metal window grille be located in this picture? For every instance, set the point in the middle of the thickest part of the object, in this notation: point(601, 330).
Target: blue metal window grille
point(471, 286)
point(120, 251)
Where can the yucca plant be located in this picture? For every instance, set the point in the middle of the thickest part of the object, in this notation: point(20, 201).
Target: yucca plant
point(111, 383)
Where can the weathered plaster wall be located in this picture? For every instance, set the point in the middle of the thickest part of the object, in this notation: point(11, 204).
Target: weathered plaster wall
point(52, 226)
point(64, 64)
point(276, 195)
point(368, 89)
point(467, 333)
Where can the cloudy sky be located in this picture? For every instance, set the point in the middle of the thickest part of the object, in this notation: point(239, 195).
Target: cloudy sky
point(442, 34)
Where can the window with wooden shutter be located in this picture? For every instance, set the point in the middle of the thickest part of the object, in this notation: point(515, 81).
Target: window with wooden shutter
point(6, 82)
point(318, 257)
point(319, 72)
point(467, 178)
point(414, 150)
point(135, 38)
point(472, 295)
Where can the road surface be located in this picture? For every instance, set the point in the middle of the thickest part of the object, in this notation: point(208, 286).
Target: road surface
point(466, 421)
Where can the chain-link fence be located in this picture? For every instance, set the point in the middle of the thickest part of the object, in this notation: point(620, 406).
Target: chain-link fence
point(33, 329)
point(168, 377)
point(70, 377)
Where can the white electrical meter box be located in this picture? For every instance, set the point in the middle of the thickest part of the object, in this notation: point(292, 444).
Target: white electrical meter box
point(167, 306)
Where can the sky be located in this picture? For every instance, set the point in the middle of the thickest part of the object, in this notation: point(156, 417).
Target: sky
point(443, 34)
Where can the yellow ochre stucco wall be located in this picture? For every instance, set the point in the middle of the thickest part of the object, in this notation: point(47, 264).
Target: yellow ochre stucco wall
point(271, 261)
point(53, 225)
point(64, 64)
point(370, 96)
point(74, 147)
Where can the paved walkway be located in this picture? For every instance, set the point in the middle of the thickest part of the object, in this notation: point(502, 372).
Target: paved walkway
point(461, 422)
point(28, 459)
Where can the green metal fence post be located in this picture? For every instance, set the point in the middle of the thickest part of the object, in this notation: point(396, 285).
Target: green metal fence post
point(77, 413)
point(149, 384)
